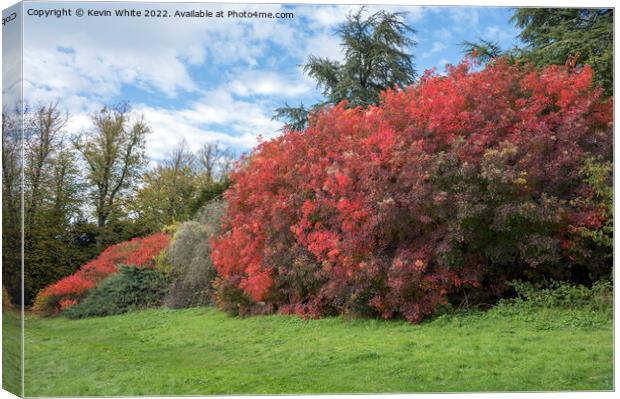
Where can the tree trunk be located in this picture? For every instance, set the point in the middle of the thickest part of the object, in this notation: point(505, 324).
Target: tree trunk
point(101, 219)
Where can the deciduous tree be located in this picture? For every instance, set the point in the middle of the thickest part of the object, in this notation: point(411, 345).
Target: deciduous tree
point(114, 153)
point(168, 190)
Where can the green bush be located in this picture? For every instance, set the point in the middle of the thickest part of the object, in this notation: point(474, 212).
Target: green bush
point(558, 305)
point(130, 289)
point(188, 259)
point(557, 294)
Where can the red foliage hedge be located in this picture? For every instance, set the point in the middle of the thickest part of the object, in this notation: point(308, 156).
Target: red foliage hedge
point(138, 252)
point(444, 191)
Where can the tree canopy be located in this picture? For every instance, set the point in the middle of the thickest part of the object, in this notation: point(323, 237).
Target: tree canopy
point(553, 35)
point(114, 152)
point(570, 36)
point(376, 58)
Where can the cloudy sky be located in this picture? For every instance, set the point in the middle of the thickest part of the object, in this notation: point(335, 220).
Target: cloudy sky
point(215, 79)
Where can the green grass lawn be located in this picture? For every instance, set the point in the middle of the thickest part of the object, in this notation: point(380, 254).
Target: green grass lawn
point(11, 351)
point(203, 351)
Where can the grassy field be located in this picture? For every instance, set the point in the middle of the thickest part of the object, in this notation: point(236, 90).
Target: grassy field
point(11, 351)
point(203, 351)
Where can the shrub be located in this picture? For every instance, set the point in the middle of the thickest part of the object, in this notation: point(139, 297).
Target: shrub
point(139, 252)
point(130, 289)
point(596, 225)
point(6, 300)
point(189, 259)
point(447, 189)
point(559, 304)
point(558, 294)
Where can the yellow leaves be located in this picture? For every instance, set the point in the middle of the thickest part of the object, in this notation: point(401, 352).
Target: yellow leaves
point(521, 180)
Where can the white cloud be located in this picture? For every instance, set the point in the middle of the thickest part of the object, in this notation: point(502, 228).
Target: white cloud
point(443, 34)
point(217, 116)
point(465, 18)
point(326, 16)
point(78, 123)
point(96, 66)
point(85, 71)
point(85, 59)
point(169, 127)
point(265, 83)
point(323, 17)
point(441, 66)
point(415, 13)
point(437, 47)
point(491, 32)
point(324, 45)
point(501, 35)
point(11, 65)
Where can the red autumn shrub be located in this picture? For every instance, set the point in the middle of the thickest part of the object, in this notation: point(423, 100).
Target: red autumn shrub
point(138, 252)
point(443, 192)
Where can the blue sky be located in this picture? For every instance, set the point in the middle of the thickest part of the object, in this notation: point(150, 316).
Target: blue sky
point(203, 80)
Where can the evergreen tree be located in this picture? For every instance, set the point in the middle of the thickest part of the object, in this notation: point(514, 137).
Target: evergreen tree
point(375, 59)
point(484, 51)
point(556, 35)
point(570, 36)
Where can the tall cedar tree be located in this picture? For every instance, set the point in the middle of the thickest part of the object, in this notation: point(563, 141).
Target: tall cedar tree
point(375, 59)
